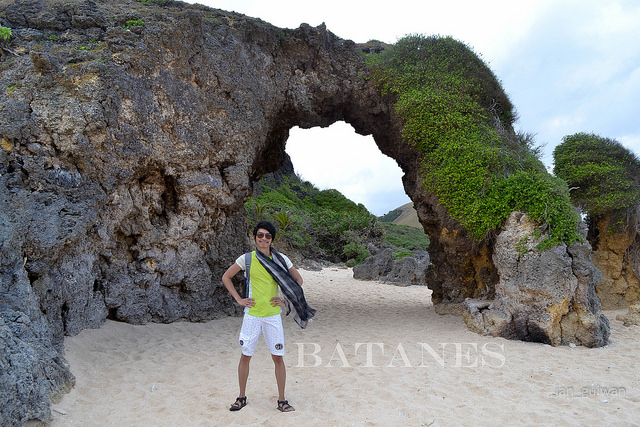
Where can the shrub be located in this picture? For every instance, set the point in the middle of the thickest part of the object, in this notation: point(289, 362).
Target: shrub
point(603, 175)
point(284, 219)
point(5, 33)
point(355, 253)
point(455, 113)
point(133, 23)
point(322, 224)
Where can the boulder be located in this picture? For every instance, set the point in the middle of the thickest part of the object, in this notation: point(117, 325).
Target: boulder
point(632, 318)
point(543, 296)
point(409, 270)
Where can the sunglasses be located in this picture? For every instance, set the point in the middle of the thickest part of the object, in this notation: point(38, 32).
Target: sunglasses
point(260, 235)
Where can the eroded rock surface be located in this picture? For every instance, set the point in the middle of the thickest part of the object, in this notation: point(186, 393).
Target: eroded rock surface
point(406, 271)
point(543, 296)
point(617, 256)
point(131, 135)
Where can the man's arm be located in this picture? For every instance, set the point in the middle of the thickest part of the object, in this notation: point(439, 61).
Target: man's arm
point(226, 280)
point(296, 275)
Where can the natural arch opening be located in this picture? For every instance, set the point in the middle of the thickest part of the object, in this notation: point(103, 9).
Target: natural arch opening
point(328, 198)
point(338, 158)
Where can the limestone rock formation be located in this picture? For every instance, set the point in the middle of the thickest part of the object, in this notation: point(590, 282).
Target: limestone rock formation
point(632, 317)
point(131, 134)
point(617, 256)
point(409, 270)
point(543, 296)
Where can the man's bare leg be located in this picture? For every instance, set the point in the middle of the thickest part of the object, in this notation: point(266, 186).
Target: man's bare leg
point(281, 379)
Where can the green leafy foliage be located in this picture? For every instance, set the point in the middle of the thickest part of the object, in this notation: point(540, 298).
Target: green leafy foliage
point(604, 175)
point(355, 253)
point(323, 224)
point(284, 218)
point(391, 216)
point(5, 33)
point(133, 23)
point(455, 113)
point(320, 223)
point(404, 239)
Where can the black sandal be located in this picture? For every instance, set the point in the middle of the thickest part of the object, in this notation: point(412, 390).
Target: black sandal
point(240, 403)
point(283, 406)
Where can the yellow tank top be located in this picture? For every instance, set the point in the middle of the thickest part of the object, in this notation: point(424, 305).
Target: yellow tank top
point(263, 288)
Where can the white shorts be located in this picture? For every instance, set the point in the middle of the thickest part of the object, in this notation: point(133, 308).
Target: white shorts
point(271, 329)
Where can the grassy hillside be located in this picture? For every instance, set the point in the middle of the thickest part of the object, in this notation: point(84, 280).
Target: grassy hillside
point(403, 231)
point(404, 239)
point(324, 225)
point(320, 224)
point(404, 215)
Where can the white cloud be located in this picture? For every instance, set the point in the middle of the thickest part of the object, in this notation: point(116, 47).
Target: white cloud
point(632, 142)
point(337, 157)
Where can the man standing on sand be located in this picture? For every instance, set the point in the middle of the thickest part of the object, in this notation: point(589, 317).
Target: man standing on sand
point(268, 270)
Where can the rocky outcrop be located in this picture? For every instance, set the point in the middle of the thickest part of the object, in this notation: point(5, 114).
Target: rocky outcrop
point(461, 267)
point(543, 296)
point(617, 256)
point(33, 372)
point(131, 134)
point(409, 270)
point(632, 318)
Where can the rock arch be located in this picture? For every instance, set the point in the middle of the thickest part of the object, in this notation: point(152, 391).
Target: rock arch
point(127, 151)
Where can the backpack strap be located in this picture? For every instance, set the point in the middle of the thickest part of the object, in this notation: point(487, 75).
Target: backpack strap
point(245, 287)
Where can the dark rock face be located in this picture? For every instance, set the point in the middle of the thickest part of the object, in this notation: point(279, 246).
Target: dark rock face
point(130, 135)
point(32, 371)
point(461, 267)
point(410, 270)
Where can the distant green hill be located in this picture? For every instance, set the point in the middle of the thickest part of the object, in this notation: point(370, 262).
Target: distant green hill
point(325, 225)
point(404, 215)
point(403, 231)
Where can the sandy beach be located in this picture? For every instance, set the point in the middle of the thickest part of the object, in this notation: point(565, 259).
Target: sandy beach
point(375, 354)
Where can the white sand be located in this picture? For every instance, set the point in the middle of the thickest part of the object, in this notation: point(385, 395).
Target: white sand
point(184, 374)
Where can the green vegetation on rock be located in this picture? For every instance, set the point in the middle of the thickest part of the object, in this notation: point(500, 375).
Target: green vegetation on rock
point(325, 225)
point(5, 33)
point(404, 239)
point(133, 23)
point(603, 175)
point(455, 113)
point(322, 224)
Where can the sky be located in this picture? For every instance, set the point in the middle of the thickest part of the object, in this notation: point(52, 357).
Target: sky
point(567, 66)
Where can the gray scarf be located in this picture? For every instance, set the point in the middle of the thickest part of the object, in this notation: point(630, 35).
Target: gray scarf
point(291, 290)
